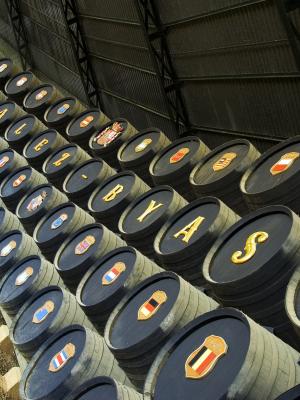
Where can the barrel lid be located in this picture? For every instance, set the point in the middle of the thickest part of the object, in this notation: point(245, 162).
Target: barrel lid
point(20, 128)
point(108, 134)
point(175, 157)
point(79, 247)
point(37, 315)
point(203, 359)
point(34, 201)
point(60, 110)
point(84, 123)
point(106, 278)
point(7, 109)
point(6, 66)
point(188, 226)
point(274, 168)
point(40, 145)
point(100, 388)
point(140, 146)
point(37, 97)
point(263, 233)
point(144, 312)
point(54, 223)
point(19, 278)
point(9, 245)
point(15, 182)
point(19, 83)
point(111, 192)
point(82, 178)
point(53, 363)
point(136, 218)
point(220, 163)
point(6, 158)
point(60, 159)
point(292, 394)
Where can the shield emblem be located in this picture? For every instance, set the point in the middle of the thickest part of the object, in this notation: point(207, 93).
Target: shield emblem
point(17, 182)
point(62, 109)
point(143, 145)
point(42, 313)
point(24, 276)
point(84, 245)
point(40, 95)
point(202, 360)
point(113, 273)
point(285, 162)
point(36, 201)
point(60, 359)
point(109, 134)
point(8, 248)
point(3, 161)
point(59, 221)
point(179, 155)
point(21, 81)
point(3, 67)
point(152, 305)
point(86, 121)
point(224, 161)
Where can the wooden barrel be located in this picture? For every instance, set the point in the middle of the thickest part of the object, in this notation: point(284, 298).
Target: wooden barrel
point(250, 265)
point(59, 222)
point(36, 203)
point(17, 87)
point(148, 316)
point(173, 165)
point(20, 131)
point(270, 178)
point(109, 279)
point(9, 112)
point(137, 153)
point(184, 240)
point(223, 355)
point(111, 198)
point(84, 125)
point(62, 161)
point(45, 313)
point(80, 183)
point(59, 114)
point(41, 146)
point(104, 388)
point(14, 246)
point(143, 218)
point(10, 161)
point(292, 302)
point(17, 184)
point(40, 98)
point(8, 221)
point(220, 171)
point(292, 394)
point(81, 250)
point(23, 280)
point(106, 142)
point(65, 361)
point(7, 70)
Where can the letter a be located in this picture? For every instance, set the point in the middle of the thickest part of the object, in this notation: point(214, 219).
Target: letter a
point(113, 193)
point(152, 207)
point(190, 229)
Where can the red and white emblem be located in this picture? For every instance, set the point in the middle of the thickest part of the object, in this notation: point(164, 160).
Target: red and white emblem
point(109, 134)
point(179, 155)
point(113, 273)
point(86, 121)
point(285, 162)
point(17, 182)
point(60, 359)
point(152, 305)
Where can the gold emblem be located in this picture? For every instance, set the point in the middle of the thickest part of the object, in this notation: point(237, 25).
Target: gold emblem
point(152, 305)
point(142, 146)
point(179, 155)
point(21, 81)
point(86, 121)
point(41, 144)
point(250, 248)
point(84, 245)
point(61, 358)
point(188, 231)
point(17, 182)
point(112, 194)
point(3, 67)
point(40, 95)
point(224, 161)
point(42, 313)
point(202, 361)
point(64, 157)
point(285, 162)
point(83, 176)
point(19, 130)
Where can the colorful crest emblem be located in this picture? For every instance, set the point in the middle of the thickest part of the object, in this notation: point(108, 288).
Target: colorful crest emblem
point(113, 273)
point(40, 95)
point(179, 155)
point(224, 161)
point(3, 161)
point(60, 359)
point(203, 359)
point(21, 81)
point(285, 162)
point(24, 276)
point(42, 313)
point(59, 221)
point(84, 245)
point(3, 67)
point(109, 134)
point(8, 248)
point(143, 145)
point(152, 305)
point(62, 109)
point(86, 121)
point(36, 201)
point(17, 182)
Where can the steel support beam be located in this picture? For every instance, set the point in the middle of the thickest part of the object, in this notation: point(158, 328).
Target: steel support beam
point(156, 38)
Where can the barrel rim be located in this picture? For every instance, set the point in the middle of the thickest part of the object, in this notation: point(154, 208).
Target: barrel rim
point(87, 111)
point(30, 73)
point(66, 98)
point(42, 85)
point(292, 292)
point(61, 148)
point(29, 193)
point(29, 143)
point(92, 383)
